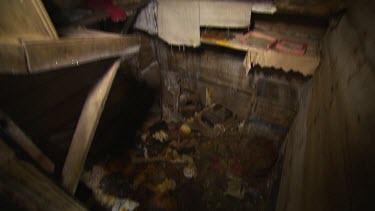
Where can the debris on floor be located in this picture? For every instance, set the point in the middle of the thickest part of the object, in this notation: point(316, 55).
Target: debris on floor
point(206, 159)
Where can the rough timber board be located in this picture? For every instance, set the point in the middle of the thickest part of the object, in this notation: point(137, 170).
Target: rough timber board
point(22, 19)
point(27, 187)
point(12, 58)
point(18, 136)
point(85, 130)
point(53, 54)
point(33, 56)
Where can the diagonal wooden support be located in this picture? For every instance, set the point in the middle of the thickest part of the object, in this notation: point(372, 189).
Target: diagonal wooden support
point(18, 136)
point(25, 186)
point(85, 130)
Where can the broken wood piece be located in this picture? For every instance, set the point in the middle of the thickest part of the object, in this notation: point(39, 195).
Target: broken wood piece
point(18, 136)
point(47, 55)
point(24, 185)
point(85, 130)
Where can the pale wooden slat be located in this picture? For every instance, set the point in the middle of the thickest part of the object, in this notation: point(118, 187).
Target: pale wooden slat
point(23, 184)
point(12, 58)
point(52, 54)
point(22, 19)
point(18, 136)
point(85, 130)
point(33, 55)
point(38, 4)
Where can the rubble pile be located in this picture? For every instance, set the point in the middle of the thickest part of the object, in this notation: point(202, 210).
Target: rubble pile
point(204, 162)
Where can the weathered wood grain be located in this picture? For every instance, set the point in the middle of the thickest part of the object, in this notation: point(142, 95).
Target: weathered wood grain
point(52, 54)
point(12, 58)
point(85, 130)
point(23, 184)
point(23, 19)
point(18, 136)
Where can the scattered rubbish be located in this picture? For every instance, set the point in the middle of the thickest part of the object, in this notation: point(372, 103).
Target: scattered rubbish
point(125, 204)
point(161, 125)
point(94, 180)
point(167, 175)
point(166, 185)
point(188, 103)
point(190, 172)
point(115, 12)
point(190, 120)
point(253, 192)
point(219, 129)
point(235, 188)
point(146, 20)
point(160, 135)
point(116, 184)
point(217, 115)
point(185, 129)
point(157, 131)
point(144, 136)
point(185, 146)
point(241, 125)
point(145, 152)
point(235, 166)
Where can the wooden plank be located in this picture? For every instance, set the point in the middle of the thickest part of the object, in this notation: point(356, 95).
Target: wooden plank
point(23, 184)
point(85, 130)
point(12, 58)
point(48, 25)
point(22, 19)
point(18, 136)
point(80, 32)
point(33, 54)
point(53, 54)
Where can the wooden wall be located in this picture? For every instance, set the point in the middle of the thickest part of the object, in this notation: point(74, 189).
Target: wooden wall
point(264, 97)
point(329, 160)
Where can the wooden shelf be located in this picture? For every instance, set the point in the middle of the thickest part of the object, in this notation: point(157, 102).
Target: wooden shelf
point(305, 64)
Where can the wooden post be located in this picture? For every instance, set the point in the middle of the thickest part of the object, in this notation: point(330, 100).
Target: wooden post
point(85, 130)
point(18, 136)
point(23, 184)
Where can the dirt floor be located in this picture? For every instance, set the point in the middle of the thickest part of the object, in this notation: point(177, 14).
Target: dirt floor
point(205, 163)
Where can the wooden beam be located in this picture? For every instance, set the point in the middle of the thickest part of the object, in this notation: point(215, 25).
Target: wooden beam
point(18, 136)
point(311, 8)
point(48, 55)
point(12, 58)
point(22, 19)
point(23, 184)
point(85, 130)
point(28, 56)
